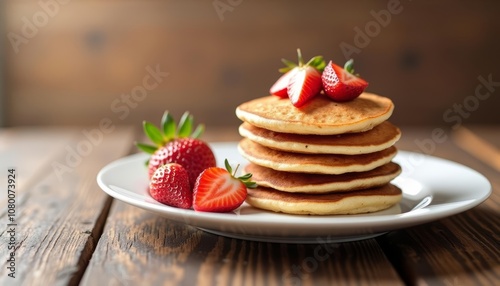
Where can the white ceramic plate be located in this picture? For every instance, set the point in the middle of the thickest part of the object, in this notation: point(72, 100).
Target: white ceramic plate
point(432, 188)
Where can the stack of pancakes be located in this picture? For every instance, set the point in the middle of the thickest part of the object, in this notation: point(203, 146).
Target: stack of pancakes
point(323, 158)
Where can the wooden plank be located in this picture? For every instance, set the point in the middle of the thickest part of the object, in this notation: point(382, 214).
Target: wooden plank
point(459, 250)
point(34, 145)
point(61, 216)
point(141, 247)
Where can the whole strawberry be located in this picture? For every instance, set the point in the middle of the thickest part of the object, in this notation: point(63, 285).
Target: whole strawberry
point(218, 190)
point(177, 144)
point(342, 84)
point(170, 185)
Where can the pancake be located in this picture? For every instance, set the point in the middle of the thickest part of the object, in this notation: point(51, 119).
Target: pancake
point(319, 183)
point(362, 201)
point(313, 163)
point(379, 138)
point(320, 116)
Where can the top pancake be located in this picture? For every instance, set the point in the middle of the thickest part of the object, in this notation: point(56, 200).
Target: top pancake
point(320, 116)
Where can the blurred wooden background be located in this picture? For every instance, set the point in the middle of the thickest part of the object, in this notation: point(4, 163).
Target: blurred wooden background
point(77, 62)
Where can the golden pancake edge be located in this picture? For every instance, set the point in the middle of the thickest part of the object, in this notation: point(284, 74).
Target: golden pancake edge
point(320, 183)
point(379, 138)
point(356, 202)
point(320, 116)
point(313, 163)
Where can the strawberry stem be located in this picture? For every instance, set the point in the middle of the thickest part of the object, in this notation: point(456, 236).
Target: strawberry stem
point(301, 61)
point(245, 179)
point(236, 170)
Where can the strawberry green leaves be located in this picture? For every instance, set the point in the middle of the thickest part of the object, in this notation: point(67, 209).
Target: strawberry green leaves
point(316, 62)
point(185, 125)
point(168, 125)
point(146, 148)
point(153, 133)
point(245, 179)
point(169, 131)
point(349, 67)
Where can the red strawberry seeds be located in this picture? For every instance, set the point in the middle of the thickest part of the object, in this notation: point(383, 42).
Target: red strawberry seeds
point(340, 83)
point(170, 185)
point(193, 154)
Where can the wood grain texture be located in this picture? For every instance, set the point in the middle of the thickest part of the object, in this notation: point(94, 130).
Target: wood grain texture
point(71, 233)
point(460, 250)
point(141, 246)
point(60, 217)
point(34, 145)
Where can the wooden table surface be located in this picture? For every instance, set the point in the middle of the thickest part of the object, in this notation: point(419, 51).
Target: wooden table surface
point(64, 230)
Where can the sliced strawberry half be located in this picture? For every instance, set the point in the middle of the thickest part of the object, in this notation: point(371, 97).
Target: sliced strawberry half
point(341, 84)
point(280, 87)
point(303, 85)
point(218, 190)
point(299, 81)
